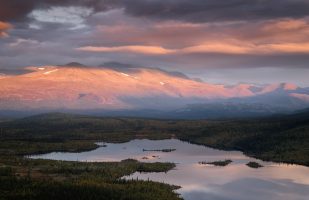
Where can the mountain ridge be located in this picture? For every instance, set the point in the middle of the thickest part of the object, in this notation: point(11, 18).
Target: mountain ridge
point(88, 88)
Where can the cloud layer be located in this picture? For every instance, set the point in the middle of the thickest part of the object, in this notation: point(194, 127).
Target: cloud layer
point(194, 36)
point(188, 10)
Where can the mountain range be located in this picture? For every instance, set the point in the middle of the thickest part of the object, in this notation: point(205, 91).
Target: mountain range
point(117, 89)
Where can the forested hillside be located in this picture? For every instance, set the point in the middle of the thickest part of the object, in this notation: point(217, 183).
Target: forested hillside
point(282, 138)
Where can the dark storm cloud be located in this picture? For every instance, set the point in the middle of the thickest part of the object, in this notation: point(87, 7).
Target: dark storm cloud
point(217, 10)
point(188, 10)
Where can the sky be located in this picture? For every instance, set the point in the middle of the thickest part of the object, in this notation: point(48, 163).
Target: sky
point(219, 41)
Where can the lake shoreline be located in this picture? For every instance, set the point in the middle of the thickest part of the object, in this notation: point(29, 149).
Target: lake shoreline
point(218, 147)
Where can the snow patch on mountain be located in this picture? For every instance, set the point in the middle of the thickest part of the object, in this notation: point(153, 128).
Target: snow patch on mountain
point(49, 72)
point(124, 74)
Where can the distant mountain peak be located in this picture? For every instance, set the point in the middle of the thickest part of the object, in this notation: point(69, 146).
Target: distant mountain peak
point(279, 87)
point(289, 86)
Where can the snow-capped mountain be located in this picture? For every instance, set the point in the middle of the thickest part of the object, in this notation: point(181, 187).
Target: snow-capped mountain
point(77, 87)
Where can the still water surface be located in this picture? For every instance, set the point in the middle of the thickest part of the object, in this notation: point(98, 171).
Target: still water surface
point(200, 182)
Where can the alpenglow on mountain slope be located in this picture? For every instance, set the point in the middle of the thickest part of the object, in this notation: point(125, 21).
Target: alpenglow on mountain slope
point(92, 88)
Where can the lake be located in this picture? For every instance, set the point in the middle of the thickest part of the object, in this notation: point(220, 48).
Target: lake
point(235, 181)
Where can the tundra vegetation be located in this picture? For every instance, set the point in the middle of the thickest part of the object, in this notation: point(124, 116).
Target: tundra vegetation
point(277, 138)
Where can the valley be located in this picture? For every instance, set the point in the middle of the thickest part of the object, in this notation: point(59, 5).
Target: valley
point(282, 139)
point(154, 100)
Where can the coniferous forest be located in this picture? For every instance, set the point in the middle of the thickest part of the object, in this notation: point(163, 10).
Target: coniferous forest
point(282, 138)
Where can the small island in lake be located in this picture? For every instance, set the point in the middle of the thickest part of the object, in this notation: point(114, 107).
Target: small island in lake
point(254, 165)
point(162, 150)
point(217, 163)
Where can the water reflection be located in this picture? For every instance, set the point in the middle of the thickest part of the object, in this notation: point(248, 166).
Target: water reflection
point(235, 181)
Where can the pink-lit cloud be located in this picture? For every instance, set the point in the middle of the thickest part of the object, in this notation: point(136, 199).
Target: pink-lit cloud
point(3, 28)
point(131, 49)
point(271, 37)
point(211, 47)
